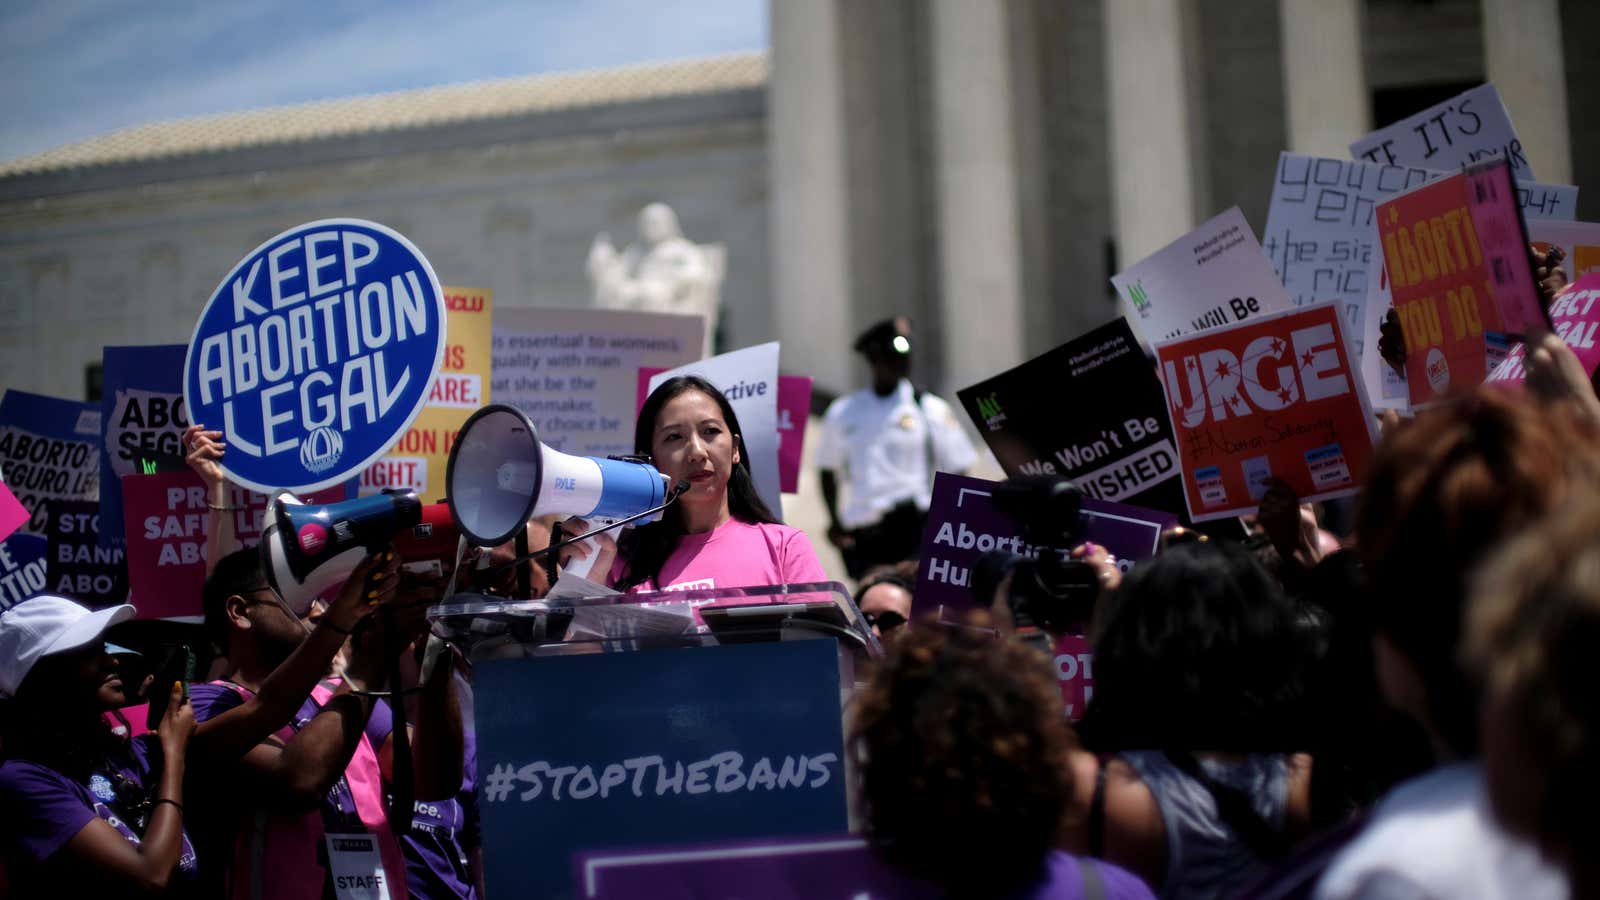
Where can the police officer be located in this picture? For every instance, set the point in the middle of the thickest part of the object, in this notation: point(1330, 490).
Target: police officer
point(885, 442)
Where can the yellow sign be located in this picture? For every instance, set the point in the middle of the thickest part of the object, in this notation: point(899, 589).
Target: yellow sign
point(1580, 241)
point(417, 461)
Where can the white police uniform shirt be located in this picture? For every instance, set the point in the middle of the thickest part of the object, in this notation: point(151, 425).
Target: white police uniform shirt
point(880, 446)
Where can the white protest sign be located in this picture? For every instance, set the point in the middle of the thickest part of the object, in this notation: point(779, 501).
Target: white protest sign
point(143, 425)
point(1386, 388)
point(1214, 275)
point(49, 450)
point(1558, 202)
point(1320, 230)
point(1470, 126)
point(749, 379)
point(574, 372)
point(1321, 235)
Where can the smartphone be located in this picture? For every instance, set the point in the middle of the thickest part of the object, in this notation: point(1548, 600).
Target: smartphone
point(177, 665)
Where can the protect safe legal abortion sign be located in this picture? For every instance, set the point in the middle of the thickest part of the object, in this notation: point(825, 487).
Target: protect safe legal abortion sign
point(316, 352)
point(1276, 397)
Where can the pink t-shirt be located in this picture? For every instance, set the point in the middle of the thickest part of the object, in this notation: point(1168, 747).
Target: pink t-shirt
point(734, 554)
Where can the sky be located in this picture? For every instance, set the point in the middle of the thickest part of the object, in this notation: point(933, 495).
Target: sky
point(73, 69)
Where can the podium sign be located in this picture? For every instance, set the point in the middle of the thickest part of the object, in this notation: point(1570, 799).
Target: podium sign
point(837, 868)
point(591, 751)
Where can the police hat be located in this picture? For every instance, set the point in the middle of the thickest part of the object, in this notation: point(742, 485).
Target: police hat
point(889, 337)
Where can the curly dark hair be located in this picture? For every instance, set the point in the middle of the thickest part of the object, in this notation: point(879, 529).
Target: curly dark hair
point(962, 747)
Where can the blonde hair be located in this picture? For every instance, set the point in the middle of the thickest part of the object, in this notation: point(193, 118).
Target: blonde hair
point(1533, 635)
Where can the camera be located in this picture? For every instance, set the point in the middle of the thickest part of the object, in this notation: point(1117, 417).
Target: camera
point(1049, 590)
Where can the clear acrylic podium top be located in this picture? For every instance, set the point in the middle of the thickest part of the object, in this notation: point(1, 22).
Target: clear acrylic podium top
point(488, 627)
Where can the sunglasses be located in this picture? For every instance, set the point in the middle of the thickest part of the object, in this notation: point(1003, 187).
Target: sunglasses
point(1178, 535)
point(886, 621)
point(266, 595)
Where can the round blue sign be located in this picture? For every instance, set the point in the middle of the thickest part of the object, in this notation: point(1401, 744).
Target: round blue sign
point(23, 567)
point(315, 353)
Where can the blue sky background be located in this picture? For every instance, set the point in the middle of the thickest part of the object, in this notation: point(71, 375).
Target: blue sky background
point(72, 69)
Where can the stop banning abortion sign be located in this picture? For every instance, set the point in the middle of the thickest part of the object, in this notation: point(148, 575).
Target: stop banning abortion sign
point(315, 353)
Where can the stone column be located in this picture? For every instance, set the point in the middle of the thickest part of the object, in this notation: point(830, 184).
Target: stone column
point(975, 158)
point(1152, 173)
point(1325, 83)
point(810, 237)
point(1523, 50)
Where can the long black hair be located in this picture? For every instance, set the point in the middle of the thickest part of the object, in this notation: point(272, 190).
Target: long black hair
point(647, 547)
point(1201, 651)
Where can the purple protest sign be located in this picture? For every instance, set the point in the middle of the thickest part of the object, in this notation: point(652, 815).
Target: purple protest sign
point(1131, 533)
point(963, 524)
point(841, 868)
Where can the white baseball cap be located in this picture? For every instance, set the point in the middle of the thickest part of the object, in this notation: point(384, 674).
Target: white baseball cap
point(47, 624)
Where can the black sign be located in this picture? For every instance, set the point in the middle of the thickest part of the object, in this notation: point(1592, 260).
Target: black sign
point(1091, 410)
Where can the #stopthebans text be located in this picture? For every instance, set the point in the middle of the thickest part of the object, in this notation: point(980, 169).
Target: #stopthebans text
point(655, 776)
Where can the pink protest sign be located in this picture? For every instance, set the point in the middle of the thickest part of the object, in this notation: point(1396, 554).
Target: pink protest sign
point(1497, 220)
point(1074, 666)
point(165, 515)
point(794, 405)
point(12, 513)
point(1575, 318)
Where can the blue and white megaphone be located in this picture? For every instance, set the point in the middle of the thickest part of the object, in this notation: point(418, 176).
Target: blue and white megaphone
point(307, 548)
point(500, 476)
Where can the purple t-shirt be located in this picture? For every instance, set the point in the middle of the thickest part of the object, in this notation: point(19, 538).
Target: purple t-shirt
point(442, 831)
point(44, 809)
point(1065, 879)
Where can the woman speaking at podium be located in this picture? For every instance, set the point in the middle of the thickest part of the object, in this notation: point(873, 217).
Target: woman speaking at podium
point(718, 533)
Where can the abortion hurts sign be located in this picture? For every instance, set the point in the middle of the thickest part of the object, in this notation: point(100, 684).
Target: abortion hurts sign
point(316, 352)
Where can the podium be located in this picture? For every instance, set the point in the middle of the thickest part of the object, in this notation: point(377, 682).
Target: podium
point(644, 720)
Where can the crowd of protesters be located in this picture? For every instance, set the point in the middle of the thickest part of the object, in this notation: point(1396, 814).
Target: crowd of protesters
point(1404, 711)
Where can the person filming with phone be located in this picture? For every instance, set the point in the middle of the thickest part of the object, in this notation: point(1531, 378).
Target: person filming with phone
point(84, 809)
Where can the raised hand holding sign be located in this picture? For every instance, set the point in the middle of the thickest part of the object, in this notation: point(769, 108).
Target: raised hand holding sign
point(316, 352)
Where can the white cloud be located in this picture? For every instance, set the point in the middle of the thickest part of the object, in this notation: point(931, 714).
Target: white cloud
point(73, 70)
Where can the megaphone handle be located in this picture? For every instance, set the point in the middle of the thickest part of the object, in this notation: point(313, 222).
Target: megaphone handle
point(558, 540)
point(524, 576)
point(551, 560)
point(402, 799)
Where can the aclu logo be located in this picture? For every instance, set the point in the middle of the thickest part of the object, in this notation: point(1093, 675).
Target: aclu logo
point(321, 449)
point(989, 409)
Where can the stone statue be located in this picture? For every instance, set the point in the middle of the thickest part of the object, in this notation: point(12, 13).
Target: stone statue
point(665, 272)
